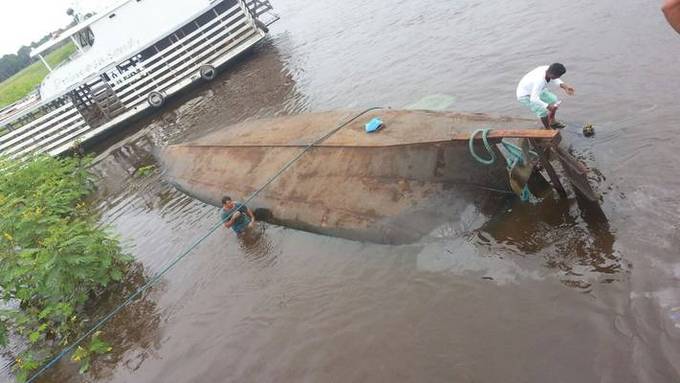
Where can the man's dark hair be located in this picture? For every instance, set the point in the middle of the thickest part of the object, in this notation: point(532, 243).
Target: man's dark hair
point(557, 69)
point(225, 199)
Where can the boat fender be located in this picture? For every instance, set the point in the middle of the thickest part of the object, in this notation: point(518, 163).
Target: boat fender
point(207, 72)
point(156, 99)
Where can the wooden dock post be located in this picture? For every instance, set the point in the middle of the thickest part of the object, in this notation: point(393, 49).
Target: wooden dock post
point(545, 162)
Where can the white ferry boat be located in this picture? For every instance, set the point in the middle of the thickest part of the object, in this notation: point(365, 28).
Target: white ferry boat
point(129, 58)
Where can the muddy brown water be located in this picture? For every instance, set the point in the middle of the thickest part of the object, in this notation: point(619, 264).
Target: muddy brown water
point(523, 293)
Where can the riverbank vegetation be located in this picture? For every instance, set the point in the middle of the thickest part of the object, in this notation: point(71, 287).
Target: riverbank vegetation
point(54, 260)
point(21, 84)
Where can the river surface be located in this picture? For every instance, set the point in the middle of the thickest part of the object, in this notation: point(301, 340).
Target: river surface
point(531, 293)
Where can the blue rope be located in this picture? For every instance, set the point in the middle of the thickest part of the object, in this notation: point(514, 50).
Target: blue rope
point(515, 156)
point(172, 264)
point(127, 302)
point(516, 153)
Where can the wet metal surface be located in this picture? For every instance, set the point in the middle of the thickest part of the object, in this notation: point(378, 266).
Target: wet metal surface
point(385, 187)
point(519, 293)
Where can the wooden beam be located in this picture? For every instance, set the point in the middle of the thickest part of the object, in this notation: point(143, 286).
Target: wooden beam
point(577, 173)
point(545, 162)
point(538, 134)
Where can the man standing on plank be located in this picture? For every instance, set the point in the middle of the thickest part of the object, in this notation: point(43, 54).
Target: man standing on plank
point(533, 93)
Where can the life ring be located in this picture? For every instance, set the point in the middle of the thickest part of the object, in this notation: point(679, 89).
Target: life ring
point(156, 99)
point(207, 72)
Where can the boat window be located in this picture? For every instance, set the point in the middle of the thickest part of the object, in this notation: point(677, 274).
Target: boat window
point(190, 27)
point(205, 18)
point(225, 6)
point(147, 53)
point(85, 37)
point(163, 43)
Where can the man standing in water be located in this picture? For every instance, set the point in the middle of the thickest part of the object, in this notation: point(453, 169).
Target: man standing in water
point(671, 8)
point(236, 216)
point(533, 92)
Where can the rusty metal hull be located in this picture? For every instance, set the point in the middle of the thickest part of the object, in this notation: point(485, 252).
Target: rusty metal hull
point(393, 186)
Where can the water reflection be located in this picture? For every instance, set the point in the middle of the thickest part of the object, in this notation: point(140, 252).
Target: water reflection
point(258, 247)
point(330, 307)
point(133, 333)
point(573, 237)
point(133, 198)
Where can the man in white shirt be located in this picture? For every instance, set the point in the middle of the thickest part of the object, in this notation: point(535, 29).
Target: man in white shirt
point(533, 92)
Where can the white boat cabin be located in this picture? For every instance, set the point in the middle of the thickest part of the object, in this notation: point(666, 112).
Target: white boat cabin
point(129, 58)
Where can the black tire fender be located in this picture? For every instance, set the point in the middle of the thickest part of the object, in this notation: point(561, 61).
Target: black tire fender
point(156, 99)
point(207, 72)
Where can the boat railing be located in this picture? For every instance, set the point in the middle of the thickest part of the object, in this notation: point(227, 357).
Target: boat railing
point(45, 126)
point(262, 10)
point(9, 112)
point(197, 42)
point(117, 92)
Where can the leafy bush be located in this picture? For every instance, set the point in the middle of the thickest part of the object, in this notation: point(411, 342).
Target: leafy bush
point(53, 257)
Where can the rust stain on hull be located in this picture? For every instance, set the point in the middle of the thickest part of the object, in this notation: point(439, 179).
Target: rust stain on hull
point(384, 187)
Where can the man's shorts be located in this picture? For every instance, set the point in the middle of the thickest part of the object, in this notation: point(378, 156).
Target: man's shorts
point(540, 112)
point(241, 226)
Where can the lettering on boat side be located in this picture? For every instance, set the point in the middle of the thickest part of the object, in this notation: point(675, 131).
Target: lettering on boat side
point(125, 70)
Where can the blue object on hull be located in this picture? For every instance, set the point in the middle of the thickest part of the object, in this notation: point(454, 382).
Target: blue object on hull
point(374, 125)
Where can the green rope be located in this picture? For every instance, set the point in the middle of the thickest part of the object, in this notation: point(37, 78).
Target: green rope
point(487, 146)
point(515, 156)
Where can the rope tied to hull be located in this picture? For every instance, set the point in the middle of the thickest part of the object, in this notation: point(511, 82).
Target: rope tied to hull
point(132, 297)
point(515, 157)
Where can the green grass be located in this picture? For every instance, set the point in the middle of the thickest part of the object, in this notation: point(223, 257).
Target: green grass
point(18, 86)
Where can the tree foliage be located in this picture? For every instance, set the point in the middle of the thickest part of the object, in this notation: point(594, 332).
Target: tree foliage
point(11, 64)
point(53, 256)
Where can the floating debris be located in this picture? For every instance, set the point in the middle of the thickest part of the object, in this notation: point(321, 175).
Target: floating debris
point(588, 130)
point(145, 170)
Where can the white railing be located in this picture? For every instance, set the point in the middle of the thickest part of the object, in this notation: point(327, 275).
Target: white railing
point(58, 122)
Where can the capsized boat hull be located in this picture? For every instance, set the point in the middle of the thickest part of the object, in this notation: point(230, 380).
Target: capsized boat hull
point(393, 186)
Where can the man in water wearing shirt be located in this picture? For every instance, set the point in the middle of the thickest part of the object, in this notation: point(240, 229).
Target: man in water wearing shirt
point(533, 92)
point(236, 216)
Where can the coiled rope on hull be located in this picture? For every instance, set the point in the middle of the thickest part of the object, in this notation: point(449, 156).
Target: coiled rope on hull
point(515, 157)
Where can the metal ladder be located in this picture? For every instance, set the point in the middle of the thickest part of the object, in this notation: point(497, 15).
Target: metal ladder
point(258, 8)
point(98, 103)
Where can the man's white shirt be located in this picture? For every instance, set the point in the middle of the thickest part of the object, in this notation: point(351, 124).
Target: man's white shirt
point(533, 84)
